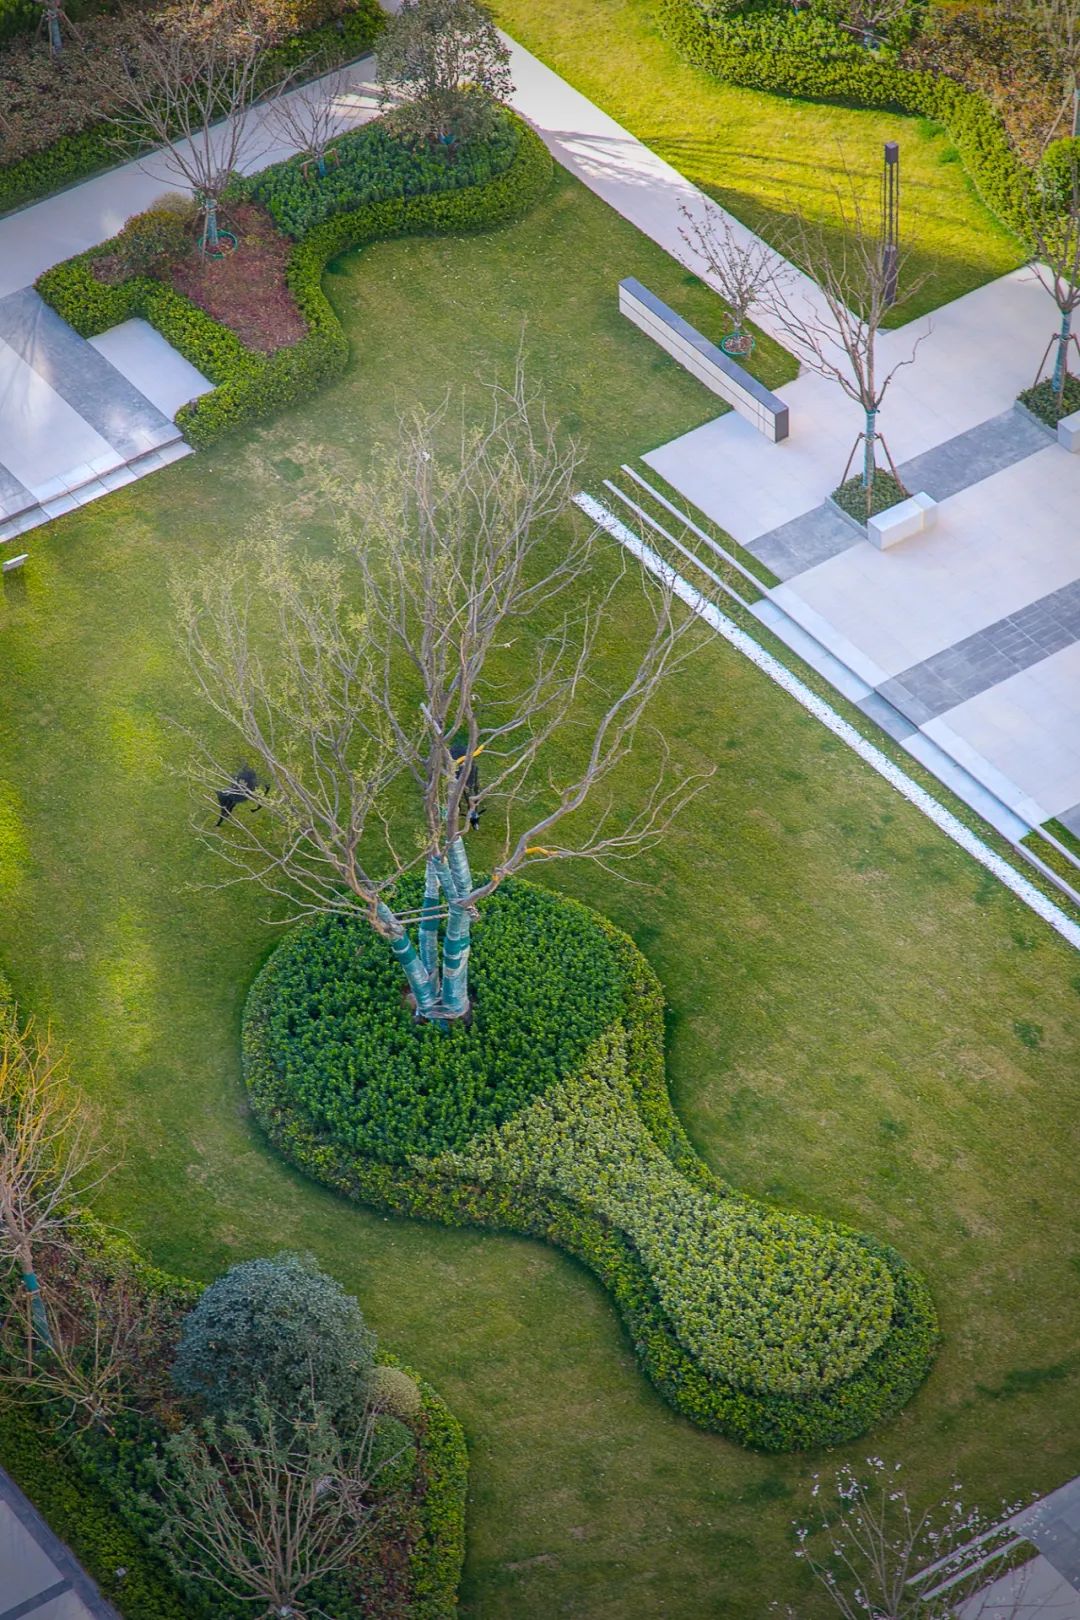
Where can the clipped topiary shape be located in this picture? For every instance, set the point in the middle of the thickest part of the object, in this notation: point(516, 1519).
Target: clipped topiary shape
point(550, 1114)
point(393, 1391)
point(281, 1325)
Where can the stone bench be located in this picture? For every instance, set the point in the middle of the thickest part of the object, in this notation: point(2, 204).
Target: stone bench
point(1068, 432)
point(704, 360)
point(913, 516)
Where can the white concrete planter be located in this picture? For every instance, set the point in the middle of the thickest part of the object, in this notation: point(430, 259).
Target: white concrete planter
point(913, 516)
point(1068, 432)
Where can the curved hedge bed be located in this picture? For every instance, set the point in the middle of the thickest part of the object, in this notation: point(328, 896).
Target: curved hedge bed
point(799, 55)
point(88, 1486)
point(253, 386)
point(303, 1105)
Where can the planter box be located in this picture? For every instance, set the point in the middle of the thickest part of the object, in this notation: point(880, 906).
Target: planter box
point(913, 516)
point(1068, 432)
point(704, 360)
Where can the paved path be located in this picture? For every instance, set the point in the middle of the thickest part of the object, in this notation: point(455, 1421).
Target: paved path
point(39, 1578)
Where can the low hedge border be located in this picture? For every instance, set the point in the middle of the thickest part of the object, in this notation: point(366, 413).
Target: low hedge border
point(93, 150)
point(886, 1381)
point(75, 1498)
point(809, 57)
point(251, 386)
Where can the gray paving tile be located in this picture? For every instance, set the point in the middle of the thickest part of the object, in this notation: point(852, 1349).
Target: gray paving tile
point(14, 495)
point(988, 657)
point(81, 376)
point(39, 1577)
point(804, 542)
point(972, 456)
point(1071, 819)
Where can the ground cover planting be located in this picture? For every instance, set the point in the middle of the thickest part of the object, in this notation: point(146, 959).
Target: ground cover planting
point(776, 1330)
point(767, 157)
point(404, 196)
point(860, 1026)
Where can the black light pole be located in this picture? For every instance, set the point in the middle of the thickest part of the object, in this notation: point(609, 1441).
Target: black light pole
point(890, 219)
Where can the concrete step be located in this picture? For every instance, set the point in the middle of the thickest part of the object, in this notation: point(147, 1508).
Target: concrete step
point(89, 482)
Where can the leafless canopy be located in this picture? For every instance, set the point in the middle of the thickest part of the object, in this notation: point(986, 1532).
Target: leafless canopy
point(48, 1152)
point(265, 1509)
point(837, 337)
point(308, 117)
point(1055, 235)
point(878, 1556)
point(194, 77)
point(740, 265)
point(459, 625)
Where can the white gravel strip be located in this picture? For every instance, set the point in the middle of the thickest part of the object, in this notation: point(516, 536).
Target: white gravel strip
point(817, 706)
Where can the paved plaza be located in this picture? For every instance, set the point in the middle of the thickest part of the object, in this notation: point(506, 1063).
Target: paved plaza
point(971, 632)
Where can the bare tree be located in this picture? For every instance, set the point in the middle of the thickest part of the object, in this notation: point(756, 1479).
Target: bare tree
point(264, 1509)
point(99, 1330)
point(857, 275)
point(1055, 233)
point(443, 69)
point(52, 15)
point(48, 1156)
point(1055, 28)
point(878, 1557)
point(381, 675)
point(193, 76)
point(741, 267)
point(308, 119)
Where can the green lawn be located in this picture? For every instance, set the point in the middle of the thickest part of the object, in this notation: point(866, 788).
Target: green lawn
point(862, 1023)
point(767, 157)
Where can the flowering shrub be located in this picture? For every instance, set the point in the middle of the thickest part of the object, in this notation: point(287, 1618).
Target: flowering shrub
point(779, 1330)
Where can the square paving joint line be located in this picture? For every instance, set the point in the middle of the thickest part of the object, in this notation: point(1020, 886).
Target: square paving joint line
point(988, 657)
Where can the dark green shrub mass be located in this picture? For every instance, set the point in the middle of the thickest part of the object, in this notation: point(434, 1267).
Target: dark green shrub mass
point(282, 1324)
point(779, 1330)
point(372, 166)
point(253, 386)
point(546, 983)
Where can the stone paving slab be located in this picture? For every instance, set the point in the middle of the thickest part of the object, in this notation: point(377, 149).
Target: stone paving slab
point(140, 353)
point(39, 1577)
point(988, 657)
point(102, 396)
point(972, 456)
point(804, 542)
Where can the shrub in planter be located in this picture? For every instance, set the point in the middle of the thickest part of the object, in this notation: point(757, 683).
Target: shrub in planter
point(887, 491)
point(550, 1115)
point(282, 1325)
point(1042, 402)
point(253, 386)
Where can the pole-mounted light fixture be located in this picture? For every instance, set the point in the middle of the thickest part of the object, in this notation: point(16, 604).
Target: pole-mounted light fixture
point(890, 220)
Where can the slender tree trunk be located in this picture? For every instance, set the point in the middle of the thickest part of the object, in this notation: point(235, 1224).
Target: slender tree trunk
point(1062, 357)
point(869, 456)
point(38, 1314)
point(422, 984)
point(457, 884)
point(52, 17)
point(429, 922)
point(210, 230)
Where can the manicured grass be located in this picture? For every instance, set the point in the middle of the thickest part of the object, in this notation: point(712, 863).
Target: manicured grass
point(765, 157)
point(863, 1024)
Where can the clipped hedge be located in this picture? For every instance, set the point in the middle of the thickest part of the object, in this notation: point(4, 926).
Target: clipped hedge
point(78, 156)
point(471, 1190)
point(370, 165)
point(88, 1489)
point(250, 386)
point(808, 56)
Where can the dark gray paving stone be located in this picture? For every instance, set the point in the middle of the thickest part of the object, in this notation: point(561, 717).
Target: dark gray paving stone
point(1053, 1525)
point(14, 495)
point(82, 377)
point(972, 456)
point(804, 542)
point(988, 657)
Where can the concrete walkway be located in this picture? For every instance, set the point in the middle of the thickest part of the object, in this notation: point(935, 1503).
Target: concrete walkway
point(39, 1578)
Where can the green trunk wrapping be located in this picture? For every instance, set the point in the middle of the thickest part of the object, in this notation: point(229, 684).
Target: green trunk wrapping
point(1062, 356)
point(429, 923)
point(458, 862)
point(37, 1309)
point(455, 974)
point(420, 981)
point(755, 1295)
